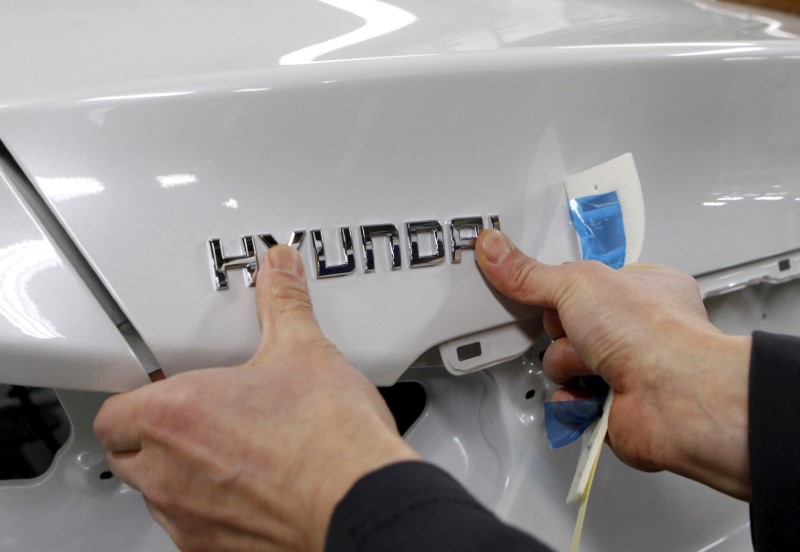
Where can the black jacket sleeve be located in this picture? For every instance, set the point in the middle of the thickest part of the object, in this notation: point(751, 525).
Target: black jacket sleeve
point(774, 441)
point(417, 507)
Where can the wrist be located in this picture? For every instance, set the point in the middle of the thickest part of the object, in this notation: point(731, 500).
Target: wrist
point(369, 447)
point(709, 418)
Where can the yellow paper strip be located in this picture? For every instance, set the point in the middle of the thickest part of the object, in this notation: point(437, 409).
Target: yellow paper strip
point(576, 534)
point(587, 464)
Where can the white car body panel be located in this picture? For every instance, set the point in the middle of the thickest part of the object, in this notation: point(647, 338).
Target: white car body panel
point(383, 141)
point(53, 333)
point(148, 130)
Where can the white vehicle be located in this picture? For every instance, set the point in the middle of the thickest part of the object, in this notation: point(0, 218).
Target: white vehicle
point(152, 151)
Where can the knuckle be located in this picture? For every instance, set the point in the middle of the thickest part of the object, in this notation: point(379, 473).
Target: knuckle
point(156, 411)
point(690, 282)
point(592, 267)
point(100, 426)
point(164, 411)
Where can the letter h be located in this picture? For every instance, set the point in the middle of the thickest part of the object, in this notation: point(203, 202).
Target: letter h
point(221, 264)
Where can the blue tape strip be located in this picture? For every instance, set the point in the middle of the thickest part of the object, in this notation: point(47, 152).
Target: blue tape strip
point(567, 420)
point(598, 221)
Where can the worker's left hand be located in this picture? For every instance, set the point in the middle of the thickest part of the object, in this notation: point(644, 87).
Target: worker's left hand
point(254, 456)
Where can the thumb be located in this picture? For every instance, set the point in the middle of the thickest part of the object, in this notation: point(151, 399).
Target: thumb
point(516, 275)
point(282, 301)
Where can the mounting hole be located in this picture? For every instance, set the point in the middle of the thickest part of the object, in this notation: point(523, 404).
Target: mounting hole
point(530, 394)
point(785, 264)
point(106, 475)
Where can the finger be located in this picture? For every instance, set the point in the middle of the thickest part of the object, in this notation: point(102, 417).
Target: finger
point(552, 324)
point(561, 362)
point(570, 394)
point(517, 275)
point(124, 465)
point(284, 307)
point(117, 424)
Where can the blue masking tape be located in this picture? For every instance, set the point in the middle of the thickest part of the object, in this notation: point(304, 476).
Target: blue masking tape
point(598, 221)
point(567, 420)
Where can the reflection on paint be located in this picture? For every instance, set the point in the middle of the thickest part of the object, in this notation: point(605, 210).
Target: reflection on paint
point(654, 45)
point(769, 197)
point(715, 544)
point(722, 198)
point(60, 189)
point(19, 263)
point(720, 51)
point(173, 180)
point(379, 18)
point(462, 451)
point(147, 96)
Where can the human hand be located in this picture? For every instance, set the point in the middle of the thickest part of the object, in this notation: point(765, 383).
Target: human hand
point(680, 384)
point(255, 456)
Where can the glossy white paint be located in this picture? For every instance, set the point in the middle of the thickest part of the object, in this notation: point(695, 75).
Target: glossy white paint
point(395, 140)
point(57, 50)
point(52, 331)
point(151, 128)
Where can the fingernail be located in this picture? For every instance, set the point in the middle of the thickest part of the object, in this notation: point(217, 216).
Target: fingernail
point(496, 246)
point(285, 259)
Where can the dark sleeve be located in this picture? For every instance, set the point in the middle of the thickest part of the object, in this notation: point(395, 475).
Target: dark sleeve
point(417, 507)
point(774, 441)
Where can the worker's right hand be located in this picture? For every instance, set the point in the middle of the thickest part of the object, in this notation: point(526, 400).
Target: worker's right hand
point(680, 384)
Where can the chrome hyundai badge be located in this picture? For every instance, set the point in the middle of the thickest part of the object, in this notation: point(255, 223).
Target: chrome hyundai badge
point(425, 247)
